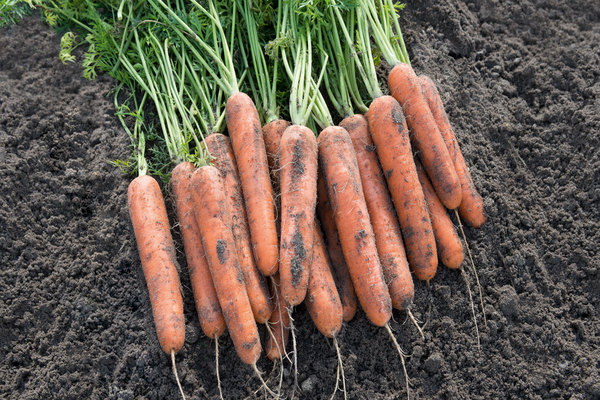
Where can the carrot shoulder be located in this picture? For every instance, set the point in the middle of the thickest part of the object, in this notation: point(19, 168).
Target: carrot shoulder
point(341, 275)
point(214, 222)
point(340, 169)
point(390, 135)
point(298, 177)
point(245, 131)
point(157, 253)
point(471, 207)
point(449, 247)
point(405, 87)
point(388, 237)
point(219, 147)
point(205, 296)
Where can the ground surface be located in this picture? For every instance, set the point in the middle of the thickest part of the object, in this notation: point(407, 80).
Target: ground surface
point(522, 87)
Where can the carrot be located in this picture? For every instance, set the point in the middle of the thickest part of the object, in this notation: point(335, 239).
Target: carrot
point(279, 322)
point(449, 247)
point(214, 222)
point(205, 296)
point(245, 131)
point(340, 169)
point(471, 207)
point(322, 300)
point(298, 177)
point(425, 134)
point(157, 253)
point(272, 133)
point(219, 147)
point(334, 248)
point(390, 135)
point(388, 237)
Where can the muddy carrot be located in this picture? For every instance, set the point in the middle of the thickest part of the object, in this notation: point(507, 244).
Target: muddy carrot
point(340, 169)
point(449, 247)
point(390, 135)
point(245, 131)
point(298, 177)
point(322, 299)
point(272, 133)
point(214, 222)
point(205, 297)
point(219, 147)
point(388, 236)
point(471, 206)
point(334, 248)
point(405, 87)
point(151, 227)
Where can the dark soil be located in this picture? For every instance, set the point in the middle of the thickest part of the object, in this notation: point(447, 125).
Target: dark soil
point(521, 81)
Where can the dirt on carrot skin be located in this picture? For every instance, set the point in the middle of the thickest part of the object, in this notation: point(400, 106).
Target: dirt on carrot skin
point(521, 87)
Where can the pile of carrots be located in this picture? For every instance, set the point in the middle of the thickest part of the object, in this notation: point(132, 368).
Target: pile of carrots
point(280, 212)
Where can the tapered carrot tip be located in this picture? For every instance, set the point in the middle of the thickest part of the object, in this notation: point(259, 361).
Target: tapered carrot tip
point(474, 217)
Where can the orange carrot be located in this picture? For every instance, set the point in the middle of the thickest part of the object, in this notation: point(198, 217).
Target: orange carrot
point(205, 297)
point(279, 323)
point(334, 248)
point(219, 147)
point(298, 177)
point(245, 131)
point(471, 207)
point(405, 87)
point(383, 216)
point(340, 169)
point(390, 135)
point(157, 253)
point(214, 223)
point(322, 299)
point(449, 247)
point(272, 133)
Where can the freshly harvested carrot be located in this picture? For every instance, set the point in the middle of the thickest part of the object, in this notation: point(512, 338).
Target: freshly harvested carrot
point(272, 133)
point(214, 222)
point(279, 323)
point(322, 299)
point(390, 135)
point(388, 237)
point(340, 272)
point(405, 87)
point(342, 178)
point(449, 247)
point(151, 227)
point(298, 177)
point(219, 147)
point(205, 296)
point(471, 207)
point(245, 131)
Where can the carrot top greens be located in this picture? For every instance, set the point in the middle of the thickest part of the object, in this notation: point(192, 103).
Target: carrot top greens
point(179, 60)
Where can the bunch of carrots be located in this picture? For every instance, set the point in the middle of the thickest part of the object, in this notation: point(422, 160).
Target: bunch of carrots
point(276, 203)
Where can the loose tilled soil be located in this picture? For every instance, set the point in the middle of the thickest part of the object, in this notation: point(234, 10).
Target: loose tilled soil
point(522, 88)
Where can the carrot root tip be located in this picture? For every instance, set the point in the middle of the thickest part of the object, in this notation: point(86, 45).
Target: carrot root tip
point(402, 356)
point(262, 381)
point(340, 371)
point(472, 267)
point(416, 323)
point(217, 368)
point(176, 375)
